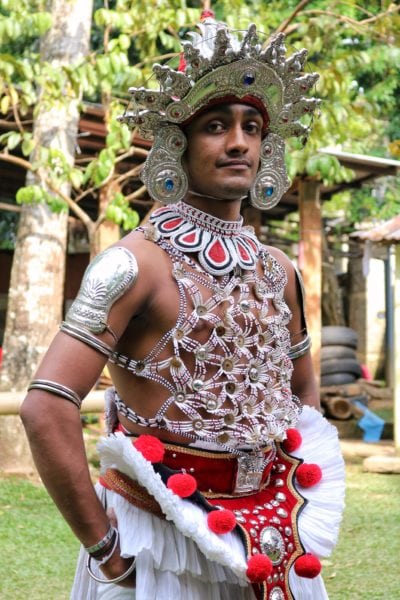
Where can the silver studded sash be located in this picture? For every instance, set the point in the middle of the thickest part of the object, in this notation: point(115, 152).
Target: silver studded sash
point(267, 518)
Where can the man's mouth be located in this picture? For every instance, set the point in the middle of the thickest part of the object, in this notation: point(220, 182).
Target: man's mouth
point(237, 163)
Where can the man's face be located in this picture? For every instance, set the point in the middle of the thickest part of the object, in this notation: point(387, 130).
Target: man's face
point(223, 151)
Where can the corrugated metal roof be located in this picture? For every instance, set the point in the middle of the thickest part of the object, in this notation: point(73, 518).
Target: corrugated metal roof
point(388, 232)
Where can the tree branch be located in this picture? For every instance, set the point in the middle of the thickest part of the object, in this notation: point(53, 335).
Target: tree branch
point(87, 221)
point(16, 160)
point(136, 194)
point(10, 207)
point(282, 27)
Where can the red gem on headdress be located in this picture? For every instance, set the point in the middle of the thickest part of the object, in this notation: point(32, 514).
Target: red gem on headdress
point(221, 521)
point(151, 448)
point(308, 475)
point(182, 484)
point(293, 440)
point(182, 63)
point(308, 566)
point(207, 14)
point(259, 568)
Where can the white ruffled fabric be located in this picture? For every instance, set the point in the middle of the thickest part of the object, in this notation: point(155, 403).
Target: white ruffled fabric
point(181, 559)
point(320, 519)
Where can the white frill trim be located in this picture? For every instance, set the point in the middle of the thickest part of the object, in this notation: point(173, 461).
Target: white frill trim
point(181, 559)
point(118, 451)
point(320, 519)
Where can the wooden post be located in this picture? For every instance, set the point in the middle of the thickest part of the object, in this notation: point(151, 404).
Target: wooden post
point(396, 350)
point(310, 261)
point(107, 233)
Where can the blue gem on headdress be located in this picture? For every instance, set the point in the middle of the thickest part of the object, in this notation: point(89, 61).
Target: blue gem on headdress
point(169, 185)
point(268, 191)
point(248, 79)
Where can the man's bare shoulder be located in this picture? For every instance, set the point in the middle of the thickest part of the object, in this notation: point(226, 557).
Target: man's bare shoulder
point(146, 252)
point(282, 258)
point(151, 261)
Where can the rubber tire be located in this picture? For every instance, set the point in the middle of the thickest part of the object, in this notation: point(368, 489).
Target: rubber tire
point(337, 379)
point(336, 335)
point(330, 352)
point(344, 365)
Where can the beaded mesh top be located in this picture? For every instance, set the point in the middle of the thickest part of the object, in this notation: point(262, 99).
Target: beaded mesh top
point(232, 388)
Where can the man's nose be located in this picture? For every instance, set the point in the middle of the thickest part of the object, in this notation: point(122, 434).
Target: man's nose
point(236, 140)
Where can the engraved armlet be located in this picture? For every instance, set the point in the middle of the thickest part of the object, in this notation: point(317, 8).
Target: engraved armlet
point(106, 279)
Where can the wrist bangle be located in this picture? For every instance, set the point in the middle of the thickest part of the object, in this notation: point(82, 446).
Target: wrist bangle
point(116, 579)
point(108, 554)
point(96, 548)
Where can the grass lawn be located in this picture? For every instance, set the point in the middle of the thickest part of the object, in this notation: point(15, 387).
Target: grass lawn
point(38, 551)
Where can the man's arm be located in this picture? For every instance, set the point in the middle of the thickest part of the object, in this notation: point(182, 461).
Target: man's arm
point(303, 382)
point(54, 427)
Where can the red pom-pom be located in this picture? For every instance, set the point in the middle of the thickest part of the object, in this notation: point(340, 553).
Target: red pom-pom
point(259, 568)
point(293, 440)
point(182, 484)
point(308, 566)
point(221, 521)
point(151, 448)
point(308, 475)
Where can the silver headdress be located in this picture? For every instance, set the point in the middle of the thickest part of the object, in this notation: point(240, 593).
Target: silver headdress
point(217, 66)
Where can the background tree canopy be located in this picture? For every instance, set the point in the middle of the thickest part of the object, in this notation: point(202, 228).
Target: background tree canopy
point(354, 49)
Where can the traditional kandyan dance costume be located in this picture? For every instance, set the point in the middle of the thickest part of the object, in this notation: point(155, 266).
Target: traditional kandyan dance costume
point(285, 497)
point(246, 508)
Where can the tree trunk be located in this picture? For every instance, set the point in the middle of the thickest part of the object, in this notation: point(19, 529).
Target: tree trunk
point(37, 277)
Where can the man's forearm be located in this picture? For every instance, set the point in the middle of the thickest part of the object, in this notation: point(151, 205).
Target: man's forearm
point(54, 431)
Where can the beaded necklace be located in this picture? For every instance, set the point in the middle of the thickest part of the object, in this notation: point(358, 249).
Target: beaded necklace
point(220, 245)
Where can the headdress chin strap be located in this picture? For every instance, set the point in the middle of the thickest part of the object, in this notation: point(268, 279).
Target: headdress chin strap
point(223, 66)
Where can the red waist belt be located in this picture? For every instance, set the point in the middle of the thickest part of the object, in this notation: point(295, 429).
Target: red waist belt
point(221, 473)
point(267, 516)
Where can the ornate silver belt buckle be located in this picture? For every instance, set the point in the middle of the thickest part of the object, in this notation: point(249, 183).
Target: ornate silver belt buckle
point(249, 473)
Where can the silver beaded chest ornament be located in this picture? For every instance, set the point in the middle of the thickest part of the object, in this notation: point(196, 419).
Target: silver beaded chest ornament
point(220, 66)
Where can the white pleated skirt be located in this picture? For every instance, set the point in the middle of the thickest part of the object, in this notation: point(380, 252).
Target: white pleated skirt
point(179, 558)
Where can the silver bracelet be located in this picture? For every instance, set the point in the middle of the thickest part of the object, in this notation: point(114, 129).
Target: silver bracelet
point(116, 579)
point(108, 555)
point(300, 349)
point(103, 542)
point(56, 388)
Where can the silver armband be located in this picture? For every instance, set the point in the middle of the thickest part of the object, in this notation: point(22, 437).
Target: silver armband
point(300, 349)
point(56, 388)
point(83, 336)
point(106, 279)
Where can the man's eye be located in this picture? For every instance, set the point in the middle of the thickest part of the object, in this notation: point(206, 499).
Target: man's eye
point(253, 127)
point(215, 127)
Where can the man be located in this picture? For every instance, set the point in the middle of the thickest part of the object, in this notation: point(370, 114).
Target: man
point(208, 486)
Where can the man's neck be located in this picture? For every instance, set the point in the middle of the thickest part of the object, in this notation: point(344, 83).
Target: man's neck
point(228, 210)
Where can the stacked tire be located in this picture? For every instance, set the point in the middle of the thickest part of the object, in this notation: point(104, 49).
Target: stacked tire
point(339, 363)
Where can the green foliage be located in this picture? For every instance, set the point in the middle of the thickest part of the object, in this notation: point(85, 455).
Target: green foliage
point(355, 51)
point(120, 212)
point(371, 203)
point(36, 194)
point(8, 229)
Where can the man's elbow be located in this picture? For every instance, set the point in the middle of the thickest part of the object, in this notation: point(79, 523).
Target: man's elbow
point(32, 415)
